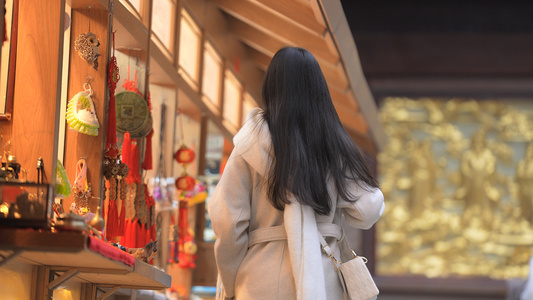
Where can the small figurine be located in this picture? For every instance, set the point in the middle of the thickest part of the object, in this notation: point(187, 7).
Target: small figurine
point(145, 253)
point(87, 46)
point(119, 246)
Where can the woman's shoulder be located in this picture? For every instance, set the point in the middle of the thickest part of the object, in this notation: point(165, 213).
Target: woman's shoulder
point(253, 142)
point(254, 132)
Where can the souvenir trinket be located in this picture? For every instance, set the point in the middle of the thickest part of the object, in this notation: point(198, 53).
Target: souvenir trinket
point(87, 46)
point(82, 189)
point(81, 115)
point(63, 187)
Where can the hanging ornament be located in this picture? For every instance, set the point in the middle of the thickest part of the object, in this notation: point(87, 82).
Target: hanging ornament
point(82, 189)
point(112, 151)
point(186, 245)
point(129, 239)
point(142, 215)
point(147, 163)
point(63, 187)
point(131, 85)
point(86, 45)
point(134, 176)
point(185, 182)
point(133, 111)
point(133, 114)
point(184, 155)
point(81, 115)
point(115, 172)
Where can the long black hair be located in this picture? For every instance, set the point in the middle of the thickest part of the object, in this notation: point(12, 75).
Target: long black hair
point(308, 140)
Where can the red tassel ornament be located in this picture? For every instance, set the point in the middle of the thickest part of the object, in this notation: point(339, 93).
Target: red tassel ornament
point(133, 175)
point(126, 150)
point(112, 79)
point(147, 164)
point(112, 215)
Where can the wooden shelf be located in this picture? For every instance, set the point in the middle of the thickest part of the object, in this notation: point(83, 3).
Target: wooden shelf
point(66, 251)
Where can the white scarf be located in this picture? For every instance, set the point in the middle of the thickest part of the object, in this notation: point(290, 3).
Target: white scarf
point(304, 250)
point(253, 142)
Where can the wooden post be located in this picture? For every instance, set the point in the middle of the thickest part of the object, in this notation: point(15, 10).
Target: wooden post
point(37, 85)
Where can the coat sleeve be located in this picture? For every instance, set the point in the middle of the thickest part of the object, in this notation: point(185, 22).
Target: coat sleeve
point(366, 210)
point(229, 210)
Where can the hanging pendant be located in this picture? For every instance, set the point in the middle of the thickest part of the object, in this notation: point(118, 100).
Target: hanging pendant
point(81, 115)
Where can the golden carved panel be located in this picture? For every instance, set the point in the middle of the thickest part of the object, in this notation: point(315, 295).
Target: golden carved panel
point(457, 175)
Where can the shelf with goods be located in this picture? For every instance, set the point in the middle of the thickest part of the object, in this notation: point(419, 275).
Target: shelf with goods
point(77, 256)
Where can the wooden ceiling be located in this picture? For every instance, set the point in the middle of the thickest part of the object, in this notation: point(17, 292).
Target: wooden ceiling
point(261, 28)
point(265, 26)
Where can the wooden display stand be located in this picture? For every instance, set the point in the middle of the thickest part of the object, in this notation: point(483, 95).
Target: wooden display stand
point(67, 253)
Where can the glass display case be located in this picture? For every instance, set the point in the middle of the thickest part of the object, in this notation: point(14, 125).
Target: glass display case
point(24, 204)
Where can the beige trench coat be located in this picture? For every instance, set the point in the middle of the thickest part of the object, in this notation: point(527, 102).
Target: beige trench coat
point(240, 205)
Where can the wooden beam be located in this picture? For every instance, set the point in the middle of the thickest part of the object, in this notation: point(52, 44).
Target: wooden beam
point(351, 120)
point(298, 12)
point(277, 26)
point(255, 38)
point(260, 59)
point(343, 98)
point(364, 143)
point(334, 74)
point(269, 45)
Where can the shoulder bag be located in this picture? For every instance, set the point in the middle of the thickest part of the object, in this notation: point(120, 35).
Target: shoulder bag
point(355, 277)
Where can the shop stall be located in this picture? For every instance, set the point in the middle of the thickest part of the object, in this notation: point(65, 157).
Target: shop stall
point(117, 118)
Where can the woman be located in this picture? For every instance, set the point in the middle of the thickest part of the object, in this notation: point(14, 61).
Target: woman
point(293, 173)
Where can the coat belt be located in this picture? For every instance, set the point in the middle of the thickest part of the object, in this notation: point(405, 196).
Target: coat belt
point(276, 233)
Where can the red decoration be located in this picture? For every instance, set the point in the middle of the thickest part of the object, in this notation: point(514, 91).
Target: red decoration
point(111, 153)
point(131, 85)
point(126, 149)
point(187, 254)
point(185, 183)
point(111, 229)
point(112, 79)
point(147, 163)
point(184, 155)
point(134, 175)
point(186, 245)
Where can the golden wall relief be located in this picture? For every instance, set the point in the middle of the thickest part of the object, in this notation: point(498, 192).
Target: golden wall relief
point(457, 175)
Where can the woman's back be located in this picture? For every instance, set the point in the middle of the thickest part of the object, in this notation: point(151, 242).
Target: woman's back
point(292, 174)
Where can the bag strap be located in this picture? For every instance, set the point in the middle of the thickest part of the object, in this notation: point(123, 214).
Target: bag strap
point(342, 243)
point(327, 249)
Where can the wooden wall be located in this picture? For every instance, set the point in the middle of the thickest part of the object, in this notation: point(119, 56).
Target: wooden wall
point(32, 129)
point(78, 145)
